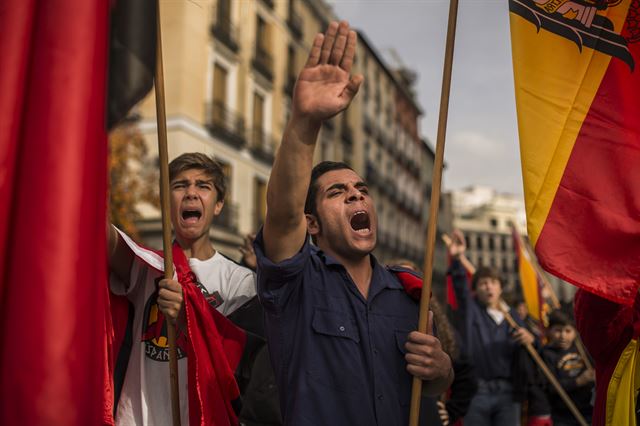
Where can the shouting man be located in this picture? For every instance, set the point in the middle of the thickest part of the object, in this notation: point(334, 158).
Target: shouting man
point(340, 327)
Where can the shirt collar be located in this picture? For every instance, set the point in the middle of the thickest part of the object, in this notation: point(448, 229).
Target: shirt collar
point(378, 278)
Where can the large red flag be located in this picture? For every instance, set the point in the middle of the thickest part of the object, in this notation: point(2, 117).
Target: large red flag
point(53, 181)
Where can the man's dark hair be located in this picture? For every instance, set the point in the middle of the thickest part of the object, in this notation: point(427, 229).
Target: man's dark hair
point(320, 169)
point(561, 318)
point(199, 161)
point(485, 272)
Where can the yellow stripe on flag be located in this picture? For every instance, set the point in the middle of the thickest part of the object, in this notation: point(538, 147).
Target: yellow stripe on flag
point(529, 283)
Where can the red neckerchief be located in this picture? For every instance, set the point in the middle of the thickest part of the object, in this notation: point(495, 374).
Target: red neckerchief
point(214, 350)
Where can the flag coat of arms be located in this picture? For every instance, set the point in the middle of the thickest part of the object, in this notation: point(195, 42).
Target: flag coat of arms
point(577, 83)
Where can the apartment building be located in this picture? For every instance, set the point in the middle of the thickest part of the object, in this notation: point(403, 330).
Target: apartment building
point(230, 70)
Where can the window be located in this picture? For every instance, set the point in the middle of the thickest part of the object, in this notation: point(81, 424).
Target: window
point(494, 223)
point(219, 94)
point(479, 244)
point(260, 202)
point(223, 12)
point(258, 120)
point(227, 170)
point(491, 244)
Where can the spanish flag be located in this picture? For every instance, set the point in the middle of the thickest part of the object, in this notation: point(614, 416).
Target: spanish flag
point(529, 280)
point(577, 80)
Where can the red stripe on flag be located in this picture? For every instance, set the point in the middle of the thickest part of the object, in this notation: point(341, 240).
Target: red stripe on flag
point(592, 231)
point(54, 277)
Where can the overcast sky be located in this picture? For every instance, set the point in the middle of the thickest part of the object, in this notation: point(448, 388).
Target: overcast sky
point(482, 138)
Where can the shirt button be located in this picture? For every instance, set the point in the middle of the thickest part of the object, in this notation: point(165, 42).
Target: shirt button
point(342, 328)
point(380, 397)
point(375, 352)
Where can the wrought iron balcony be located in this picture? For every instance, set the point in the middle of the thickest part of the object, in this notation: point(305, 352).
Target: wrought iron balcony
point(225, 124)
point(263, 62)
point(226, 33)
point(295, 23)
point(346, 133)
point(268, 3)
point(262, 145)
point(228, 218)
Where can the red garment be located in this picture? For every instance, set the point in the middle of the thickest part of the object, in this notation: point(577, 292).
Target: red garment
point(606, 328)
point(214, 349)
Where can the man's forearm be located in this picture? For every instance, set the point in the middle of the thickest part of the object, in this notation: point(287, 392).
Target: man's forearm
point(291, 172)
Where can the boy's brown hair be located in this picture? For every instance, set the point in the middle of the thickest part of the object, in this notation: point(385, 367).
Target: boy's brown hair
point(485, 272)
point(199, 161)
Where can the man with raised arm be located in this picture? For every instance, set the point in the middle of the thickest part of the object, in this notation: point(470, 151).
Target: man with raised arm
point(340, 327)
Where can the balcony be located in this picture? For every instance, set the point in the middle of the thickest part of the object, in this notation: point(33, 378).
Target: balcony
point(262, 145)
point(346, 134)
point(372, 176)
point(263, 62)
point(368, 125)
point(225, 124)
point(228, 218)
point(226, 33)
point(294, 21)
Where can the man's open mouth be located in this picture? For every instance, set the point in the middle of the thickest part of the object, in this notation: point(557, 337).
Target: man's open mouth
point(191, 215)
point(360, 222)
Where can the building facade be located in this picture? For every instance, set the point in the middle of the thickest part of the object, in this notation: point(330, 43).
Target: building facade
point(230, 70)
point(486, 218)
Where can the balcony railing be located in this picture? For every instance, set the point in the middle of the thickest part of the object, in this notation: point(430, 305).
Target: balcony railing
point(295, 23)
point(228, 218)
point(368, 125)
point(372, 176)
point(226, 33)
point(262, 145)
point(346, 134)
point(263, 62)
point(268, 3)
point(225, 124)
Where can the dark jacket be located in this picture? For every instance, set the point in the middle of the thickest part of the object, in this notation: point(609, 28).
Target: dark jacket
point(490, 346)
point(567, 365)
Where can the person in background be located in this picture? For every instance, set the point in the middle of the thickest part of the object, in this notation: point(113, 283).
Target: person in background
point(495, 348)
point(566, 363)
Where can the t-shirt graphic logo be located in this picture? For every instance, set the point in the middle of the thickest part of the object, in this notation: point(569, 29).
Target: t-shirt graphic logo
point(154, 333)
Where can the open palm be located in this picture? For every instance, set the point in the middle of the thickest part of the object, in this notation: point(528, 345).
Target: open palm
point(325, 86)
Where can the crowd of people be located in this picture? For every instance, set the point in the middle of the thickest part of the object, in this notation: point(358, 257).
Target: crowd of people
point(330, 331)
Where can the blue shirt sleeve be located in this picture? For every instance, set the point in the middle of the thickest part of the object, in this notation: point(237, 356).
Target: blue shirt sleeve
point(278, 282)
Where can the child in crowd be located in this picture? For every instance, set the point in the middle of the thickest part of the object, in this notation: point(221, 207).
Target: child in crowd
point(567, 365)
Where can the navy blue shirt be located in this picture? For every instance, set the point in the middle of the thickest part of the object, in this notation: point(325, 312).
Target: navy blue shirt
point(338, 357)
point(490, 345)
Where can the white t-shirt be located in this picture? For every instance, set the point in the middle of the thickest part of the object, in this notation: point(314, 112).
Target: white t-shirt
point(146, 396)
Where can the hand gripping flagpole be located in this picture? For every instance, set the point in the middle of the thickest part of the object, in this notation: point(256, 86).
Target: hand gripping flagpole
point(416, 389)
point(166, 218)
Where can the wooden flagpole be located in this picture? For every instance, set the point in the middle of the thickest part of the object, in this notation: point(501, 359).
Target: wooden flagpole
point(548, 374)
point(425, 299)
point(166, 218)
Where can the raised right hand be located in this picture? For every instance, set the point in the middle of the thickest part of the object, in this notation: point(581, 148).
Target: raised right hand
point(325, 86)
point(457, 245)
